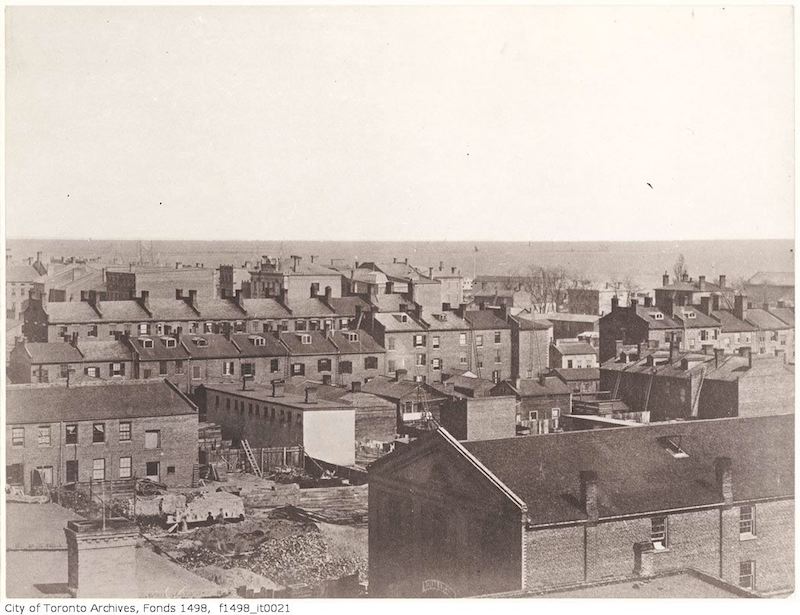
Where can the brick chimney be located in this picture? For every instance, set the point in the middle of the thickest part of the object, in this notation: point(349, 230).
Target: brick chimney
point(355, 386)
point(239, 299)
point(724, 479)
point(701, 282)
point(589, 494)
point(311, 395)
point(179, 294)
point(715, 302)
point(277, 388)
point(673, 351)
point(665, 279)
point(328, 294)
point(614, 303)
point(648, 302)
point(144, 300)
point(722, 280)
point(193, 299)
point(740, 307)
point(73, 340)
point(705, 305)
point(97, 553)
point(400, 374)
point(718, 354)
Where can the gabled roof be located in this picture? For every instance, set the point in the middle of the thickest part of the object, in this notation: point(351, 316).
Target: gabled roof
point(219, 309)
point(320, 344)
point(159, 351)
point(568, 317)
point(730, 323)
point(70, 311)
point(297, 385)
point(479, 387)
point(531, 387)
point(304, 267)
point(22, 273)
point(636, 473)
point(393, 322)
point(762, 319)
point(111, 350)
point(681, 316)
point(248, 347)
point(363, 344)
point(309, 308)
point(772, 278)
point(390, 302)
point(346, 306)
point(575, 374)
point(122, 311)
point(485, 319)
point(786, 314)
point(395, 390)
point(27, 404)
point(539, 324)
point(53, 352)
point(171, 309)
point(399, 271)
point(217, 346)
point(574, 348)
point(443, 321)
point(265, 308)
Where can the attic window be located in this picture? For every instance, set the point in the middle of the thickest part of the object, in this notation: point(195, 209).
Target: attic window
point(305, 339)
point(402, 317)
point(657, 315)
point(672, 444)
point(257, 340)
point(169, 342)
point(146, 342)
point(690, 315)
point(200, 342)
point(352, 337)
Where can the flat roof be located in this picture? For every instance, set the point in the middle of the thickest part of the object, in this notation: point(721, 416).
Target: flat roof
point(263, 393)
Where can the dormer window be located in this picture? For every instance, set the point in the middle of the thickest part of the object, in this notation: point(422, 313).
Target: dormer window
point(169, 342)
point(146, 342)
point(402, 317)
point(657, 315)
point(305, 339)
point(690, 315)
point(352, 337)
point(200, 342)
point(257, 340)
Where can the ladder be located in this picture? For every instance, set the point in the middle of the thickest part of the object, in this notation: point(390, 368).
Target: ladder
point(616, 385)
point(649, 388)
point(251, 458)
point(696, 400)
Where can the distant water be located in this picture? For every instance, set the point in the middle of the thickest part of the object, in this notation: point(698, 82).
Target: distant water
point(599, 261)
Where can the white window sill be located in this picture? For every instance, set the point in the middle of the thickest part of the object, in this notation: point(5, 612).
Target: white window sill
point(745, 537)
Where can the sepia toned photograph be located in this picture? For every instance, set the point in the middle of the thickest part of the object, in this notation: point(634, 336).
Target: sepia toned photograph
point(398, 302)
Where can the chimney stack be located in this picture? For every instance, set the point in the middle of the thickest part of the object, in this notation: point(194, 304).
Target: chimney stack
point(614, 303)
point(665, 279)
point(193, 298)
point(97, 552)
point(701, 282)
point(277, 388)
point(356, 386)
point(239, 299)
point(179, 294)
point(715, 302)
point(705, 305)
point(724, 479)
point(718, 354)
point(73, 340)
point(747, 353)
point(311, 395)
point(589, 495)
point(400, 374)
point(722, 280)
point(648, 302)
point(673, 351)
point(542, 378)
point(144, 299)
point(328, 294)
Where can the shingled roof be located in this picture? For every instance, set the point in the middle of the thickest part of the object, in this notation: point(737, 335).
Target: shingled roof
point(635, 471)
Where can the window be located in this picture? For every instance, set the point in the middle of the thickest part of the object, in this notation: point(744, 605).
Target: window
point(496, 376)
point(71, 471)
point(462, 339)
point(305, 339)
point(344, 323)
point(346, 367)
point(703, 335)
point(170, 469)
point(419, 340)
point(227, 368)
point(533, 415)
point(17, 436)
point(179, 366)
point(479, 361)
point(64, 371)
point(555, 413)
point(497, 358)
point(152, 470)
point(747, 521)
point(273, 365)
point(195, 372)
point(569, 363)
point(352, 337)
point(146, 342)
point(658, 532)
point(747, 574)
point(479, 340)
point(298, 369)
point(462, 360)
point(152, 438)
point(159, 328)
point(63, 331)
point(170, 342)
point(208, 327)
point(299, 325)
point(99, 469)
point(71, 434)
point(421, 360)
point(125, 432)
point(124, 467)
point(193, 327)
point(389, 343)
point(116, 369)
point(435, 341)
point(391, 366)
point(92, 332)
point(371, 363)
point(200, 342)
point(257, 340)
point(92, 372)
point(46, 474)
point(497, 337)
point(248, 369)
point(324, 365)
point(42, 375)
point(657, 315)
point(436, 364)
point(98, 432)
point(43, 435)
point(162, 368)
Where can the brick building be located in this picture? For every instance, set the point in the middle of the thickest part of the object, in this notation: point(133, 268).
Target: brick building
point(530, 344)
point(570, 326)
point(771, 287)
point(569, 354)
point(268, 416)
point(482, 517)
point(579, 380)
point(158, 282)
point(411, 399)
point(596, 300)
point(481, 417)
point(293, 278)
point(100, 432)
point(21, 281)
point(541, 402)
point(359, 357)
point(688, 291)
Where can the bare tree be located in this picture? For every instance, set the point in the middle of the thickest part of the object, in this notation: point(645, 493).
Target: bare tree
point(679, 269)
point(547, 287)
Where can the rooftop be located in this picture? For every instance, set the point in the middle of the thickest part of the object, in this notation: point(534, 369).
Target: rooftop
point(532, 387)
point(22, 273)
point(772, 278)
point(130, 399)
point(574, 374)
point(574, 348)
point(318, 343)
point(356, 342)
point(566, 317)
point(250, 344)
point(395, 390)
point(762, 319)
point(485, 319)
point(397, 321)
point(263, 393)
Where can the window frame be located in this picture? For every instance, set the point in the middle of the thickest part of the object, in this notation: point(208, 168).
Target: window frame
point(102, 468)
point(123, 467)
point(122, 431)
point(44, 435)
point(68, 437)
point(659, 532)
point(747, 526)
point(96, 431)
point(149, 432)
point(18, 436)
point(749, 574)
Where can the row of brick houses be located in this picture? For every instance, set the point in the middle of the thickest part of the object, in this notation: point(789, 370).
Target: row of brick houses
point(451, 518)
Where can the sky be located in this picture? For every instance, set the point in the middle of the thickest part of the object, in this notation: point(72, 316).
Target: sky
point(448, 123)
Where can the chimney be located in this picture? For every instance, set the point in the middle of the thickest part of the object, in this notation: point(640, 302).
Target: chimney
point(430, 272)
point(144, 299)
point(781, 303)
point(618, 344)
point(193, 298)
point(747, 353)
point(92, 297)
point(295, 262)
point(639, 348)
point(441, 265)
point(648, 302)
point(542, 378)
point(452, 270)
point(405, 261)
point(311, 395)
point(589, 495)
point(715, 302)
point(73, 340)
point(328, 294)
point(400, 374)
point(356, 386)
point(633, 303)
point(705, 305)
point(277, 388)
point(665, 279)
point(724, 479)
point(701, 282)
point(239, 299)
point(97, 551)
point(326, 379)
point(614, 303)
point(673, 351)
point(722, 280)
point(718, 354)
point(177, 265)
point(313, 257)
point(394, 260)
point(644, 564)
point(179, 294)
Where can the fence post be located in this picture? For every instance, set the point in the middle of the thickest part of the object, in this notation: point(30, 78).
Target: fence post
point(262, 460)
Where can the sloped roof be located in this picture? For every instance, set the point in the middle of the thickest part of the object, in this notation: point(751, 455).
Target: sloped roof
point(365, 343)
point(392, 389)
point(786, 314)
point(160, 351)
point(730, 323)
point(71, 311)
point(471, 386)
point(762, 319)
point(264, 308)
point(680, 316)
point(444, 321)
point(172, 309)
point(123, 311)
point(567, 317)
point(531, 387)
point(392, 322)
point(390, 302)
point(102, 350)
point(485, 319)
point(573, 374)
point(527, 324)
point(635, 473)
point(772, 278)
point(218, 346)
point(25, 404)
point(309, 308)
point(346, 306)
point(575, 348)
point(219, 309)
point(247, 347)
point(53, 352)
point(320, 344)
point(22, 273)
